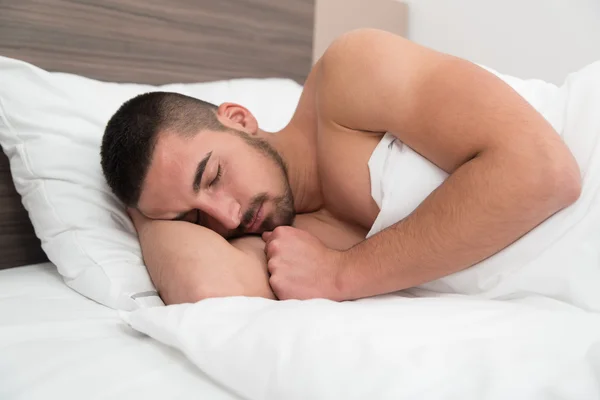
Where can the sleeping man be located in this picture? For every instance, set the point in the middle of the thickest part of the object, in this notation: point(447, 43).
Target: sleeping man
point(462, 165)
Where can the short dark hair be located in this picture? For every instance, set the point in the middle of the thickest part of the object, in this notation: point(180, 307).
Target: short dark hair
point(131, 134)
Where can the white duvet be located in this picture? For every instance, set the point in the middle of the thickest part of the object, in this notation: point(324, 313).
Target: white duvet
point(526, 326)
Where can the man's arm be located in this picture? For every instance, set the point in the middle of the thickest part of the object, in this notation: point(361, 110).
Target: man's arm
point(188, 262)
point(509, 170)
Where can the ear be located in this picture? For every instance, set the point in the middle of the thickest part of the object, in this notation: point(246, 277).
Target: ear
point(237, 117)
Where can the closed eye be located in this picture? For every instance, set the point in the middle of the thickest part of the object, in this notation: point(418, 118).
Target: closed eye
point(217, 177)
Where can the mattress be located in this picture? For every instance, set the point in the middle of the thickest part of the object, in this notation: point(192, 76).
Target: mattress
point(57, 344)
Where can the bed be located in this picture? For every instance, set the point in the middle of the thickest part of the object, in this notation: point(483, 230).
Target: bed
point(490, 332)
point(55, 342)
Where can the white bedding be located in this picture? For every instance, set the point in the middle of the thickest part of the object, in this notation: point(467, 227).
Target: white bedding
point(391, 347)
point(56, 344)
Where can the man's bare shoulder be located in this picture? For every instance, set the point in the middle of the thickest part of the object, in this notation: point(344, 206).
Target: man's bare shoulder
point(360, 52)
point(359, 42)
point(356, 72)
point(337, 61)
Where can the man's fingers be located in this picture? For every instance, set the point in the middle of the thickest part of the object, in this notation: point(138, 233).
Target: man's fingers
point(271, 268)
point(270, 249)
point(266, 236)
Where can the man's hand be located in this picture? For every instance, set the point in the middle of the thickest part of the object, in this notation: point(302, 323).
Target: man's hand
point(300, 265)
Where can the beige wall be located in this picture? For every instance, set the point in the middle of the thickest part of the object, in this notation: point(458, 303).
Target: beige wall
point(334, 17)
point(543, 39)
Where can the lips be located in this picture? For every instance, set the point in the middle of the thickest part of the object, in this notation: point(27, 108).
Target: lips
point(257, 220)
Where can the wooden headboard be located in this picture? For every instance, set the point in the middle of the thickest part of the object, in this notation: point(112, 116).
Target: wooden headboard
point(146, 41)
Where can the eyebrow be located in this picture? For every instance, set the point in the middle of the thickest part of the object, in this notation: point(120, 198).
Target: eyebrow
point(196, 183)
point(200, 171)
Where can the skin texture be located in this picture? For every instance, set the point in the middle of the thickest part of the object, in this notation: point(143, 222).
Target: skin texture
point(509, 171)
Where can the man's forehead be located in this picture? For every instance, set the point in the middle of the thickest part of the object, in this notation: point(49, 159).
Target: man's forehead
point(170, 176)
point(169, 180)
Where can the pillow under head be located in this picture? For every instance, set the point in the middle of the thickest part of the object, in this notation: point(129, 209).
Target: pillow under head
point(51, 127)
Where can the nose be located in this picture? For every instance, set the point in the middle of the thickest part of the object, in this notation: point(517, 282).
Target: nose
point(223, 208)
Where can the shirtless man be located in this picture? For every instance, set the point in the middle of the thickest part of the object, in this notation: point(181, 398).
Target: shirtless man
point(174, 160)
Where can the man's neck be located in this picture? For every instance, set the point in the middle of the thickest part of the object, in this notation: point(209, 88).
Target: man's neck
point(299, 151)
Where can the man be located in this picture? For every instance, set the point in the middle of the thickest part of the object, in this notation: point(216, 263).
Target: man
point(174, 160)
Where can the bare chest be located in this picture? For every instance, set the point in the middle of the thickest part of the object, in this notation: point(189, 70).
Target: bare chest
point(333, 232)
point(343, 158)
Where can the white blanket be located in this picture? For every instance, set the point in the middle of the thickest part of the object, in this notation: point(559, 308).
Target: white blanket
point(541, 341)
point(386, 348)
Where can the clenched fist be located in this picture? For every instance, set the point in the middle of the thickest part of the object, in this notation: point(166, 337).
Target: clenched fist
point(300, 265)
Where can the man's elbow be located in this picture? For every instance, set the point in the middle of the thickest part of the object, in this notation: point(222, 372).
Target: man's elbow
point(562, 183)
point(571, 190)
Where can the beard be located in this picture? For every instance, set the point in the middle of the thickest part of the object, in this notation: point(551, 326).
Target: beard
point(284, 212)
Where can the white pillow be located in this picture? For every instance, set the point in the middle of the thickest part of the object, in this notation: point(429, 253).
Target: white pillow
point(51, 126)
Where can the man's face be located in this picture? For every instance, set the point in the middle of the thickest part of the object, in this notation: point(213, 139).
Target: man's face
point(231, 183)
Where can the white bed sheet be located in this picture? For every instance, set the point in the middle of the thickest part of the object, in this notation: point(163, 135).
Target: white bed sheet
point(57, 344)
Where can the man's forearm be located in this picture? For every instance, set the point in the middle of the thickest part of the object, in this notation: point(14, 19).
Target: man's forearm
point(188, 263)
point(488, 203)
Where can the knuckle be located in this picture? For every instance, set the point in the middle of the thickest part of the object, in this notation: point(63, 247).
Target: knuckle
point(282, 230)
point(273, 247)
point(269, 251)
point(274, 282)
